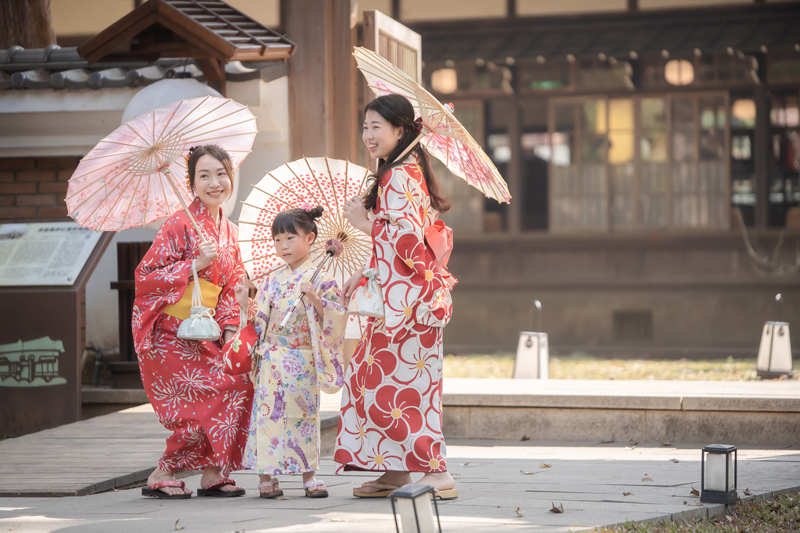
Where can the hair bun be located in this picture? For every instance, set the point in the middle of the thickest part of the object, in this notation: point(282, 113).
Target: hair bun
point(316, 212)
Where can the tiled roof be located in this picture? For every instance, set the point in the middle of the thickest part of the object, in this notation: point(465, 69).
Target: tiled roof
point(62, 68)
point(210, 27)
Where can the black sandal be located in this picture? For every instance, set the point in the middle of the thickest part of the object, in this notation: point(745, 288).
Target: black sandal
point(213, 491)
point(153, 491)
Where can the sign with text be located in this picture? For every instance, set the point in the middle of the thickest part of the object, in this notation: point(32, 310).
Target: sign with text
point(44, 253)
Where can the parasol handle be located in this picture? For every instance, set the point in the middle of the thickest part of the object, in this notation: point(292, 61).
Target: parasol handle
point(183, 203)
point(328, 254)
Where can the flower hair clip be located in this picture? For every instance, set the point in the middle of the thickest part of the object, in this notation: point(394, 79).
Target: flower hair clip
point(418, 124)
point(307, 207)
point(186, 161)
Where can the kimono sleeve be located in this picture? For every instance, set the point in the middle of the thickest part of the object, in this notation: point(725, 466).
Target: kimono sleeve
point(327, 335)
point(161, 279)
point(227, 312)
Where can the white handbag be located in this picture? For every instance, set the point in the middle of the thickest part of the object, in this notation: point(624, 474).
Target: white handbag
point(200, 326)
point(367, 299)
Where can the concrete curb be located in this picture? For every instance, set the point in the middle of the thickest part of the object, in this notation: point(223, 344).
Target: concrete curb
point(707, 512)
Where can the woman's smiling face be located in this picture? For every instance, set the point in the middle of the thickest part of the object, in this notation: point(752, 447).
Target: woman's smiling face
point(379, 135)
point(211, 182)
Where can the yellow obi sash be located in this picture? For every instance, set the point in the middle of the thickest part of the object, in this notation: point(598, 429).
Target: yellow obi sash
point(183, 309)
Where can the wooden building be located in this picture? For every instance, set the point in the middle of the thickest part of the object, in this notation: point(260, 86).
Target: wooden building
point(631, 133)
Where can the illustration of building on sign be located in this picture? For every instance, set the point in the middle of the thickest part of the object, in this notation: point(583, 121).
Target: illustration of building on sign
point(32, 363)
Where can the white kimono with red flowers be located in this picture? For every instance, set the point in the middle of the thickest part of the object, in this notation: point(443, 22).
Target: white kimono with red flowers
point(391, 416)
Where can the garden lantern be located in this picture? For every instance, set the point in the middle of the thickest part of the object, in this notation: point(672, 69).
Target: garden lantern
point(413, 504)
point(718, 474)
point(775, 350)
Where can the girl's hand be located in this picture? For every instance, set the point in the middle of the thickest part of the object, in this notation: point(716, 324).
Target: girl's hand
point(355, 212)
point(207, 253)
point(241, 292)
point(308, 289)
point(351, 284)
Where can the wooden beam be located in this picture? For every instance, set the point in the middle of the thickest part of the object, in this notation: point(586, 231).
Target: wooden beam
point(95, 49)
point(214, 71)
point(91, 45)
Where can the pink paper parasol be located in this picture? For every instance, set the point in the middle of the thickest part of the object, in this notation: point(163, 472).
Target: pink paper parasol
point(137, 174)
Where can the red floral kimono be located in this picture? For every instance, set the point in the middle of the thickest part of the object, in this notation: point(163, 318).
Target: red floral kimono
point(207, 409)
point(391, 416)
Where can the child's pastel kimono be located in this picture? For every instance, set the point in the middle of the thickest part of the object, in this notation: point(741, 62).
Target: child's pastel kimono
point(291, 367)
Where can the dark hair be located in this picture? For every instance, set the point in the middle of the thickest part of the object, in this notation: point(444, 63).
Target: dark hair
point(291, 220)
point(196, 152)
point(399, 112)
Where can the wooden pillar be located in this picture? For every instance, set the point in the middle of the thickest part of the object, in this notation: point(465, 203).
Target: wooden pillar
point(761, 155)
point(514, 212)
point(321, 77)
point(214, 71)
point(344, 128)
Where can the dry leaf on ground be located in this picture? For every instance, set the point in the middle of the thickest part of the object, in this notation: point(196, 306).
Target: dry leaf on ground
point(557, 510)
point(545, 465)
point(747, 492)
point(524, 473)
point(695, 492)
point(525, 437)
point(338, 520)
point(674, 460)
point(698, 504)
point(666, 443)
point(627, 493)
point(629, 448)
point(178, 528)
point(647, 479)
point(518, 513)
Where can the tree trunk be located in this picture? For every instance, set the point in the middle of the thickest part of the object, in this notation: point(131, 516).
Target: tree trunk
point(26, 23)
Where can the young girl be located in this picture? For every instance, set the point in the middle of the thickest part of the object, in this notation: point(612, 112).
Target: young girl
point(293, 364)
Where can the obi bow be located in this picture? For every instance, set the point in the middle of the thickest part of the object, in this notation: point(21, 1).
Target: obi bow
point(439, 238)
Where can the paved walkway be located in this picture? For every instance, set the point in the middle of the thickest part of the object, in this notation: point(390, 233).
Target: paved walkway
point(502, 485)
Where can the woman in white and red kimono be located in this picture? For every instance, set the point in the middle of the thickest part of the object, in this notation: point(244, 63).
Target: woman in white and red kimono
point(391, 416)
point(207, 410)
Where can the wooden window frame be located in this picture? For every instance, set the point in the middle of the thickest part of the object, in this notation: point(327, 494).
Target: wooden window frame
point(637, 161)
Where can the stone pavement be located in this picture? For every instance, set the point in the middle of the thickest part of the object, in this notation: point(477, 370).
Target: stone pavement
point(502, 486)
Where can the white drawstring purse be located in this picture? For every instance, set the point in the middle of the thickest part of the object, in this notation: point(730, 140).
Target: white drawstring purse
point(367, 298)
point(200, 326)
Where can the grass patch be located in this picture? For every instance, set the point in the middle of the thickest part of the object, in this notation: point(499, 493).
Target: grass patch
point(584, 366)
point(777, 515)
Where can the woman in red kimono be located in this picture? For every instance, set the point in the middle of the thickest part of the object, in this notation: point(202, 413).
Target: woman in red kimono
point(391, 416)
point(207, 410)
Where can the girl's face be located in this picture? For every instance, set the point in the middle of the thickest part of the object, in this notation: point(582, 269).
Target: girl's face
point(293, 248)
point(379, 135)
point(211, 182)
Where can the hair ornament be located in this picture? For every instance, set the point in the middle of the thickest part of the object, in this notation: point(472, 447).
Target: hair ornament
point(418, 124)
point(186, 161)
point(307, 207)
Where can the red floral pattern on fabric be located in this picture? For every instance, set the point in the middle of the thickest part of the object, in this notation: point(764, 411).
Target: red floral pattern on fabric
point(391, 402)
point(206, 409)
